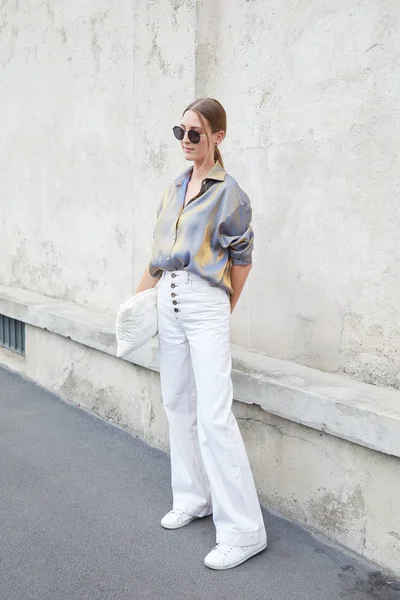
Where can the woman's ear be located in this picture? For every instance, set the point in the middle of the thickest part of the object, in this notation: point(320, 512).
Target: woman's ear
point(220, 136)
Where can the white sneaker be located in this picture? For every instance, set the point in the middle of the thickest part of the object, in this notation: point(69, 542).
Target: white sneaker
point(226, 557)
point(175, 519)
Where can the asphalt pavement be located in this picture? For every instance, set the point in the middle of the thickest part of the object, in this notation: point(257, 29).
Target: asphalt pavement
point(80, 508)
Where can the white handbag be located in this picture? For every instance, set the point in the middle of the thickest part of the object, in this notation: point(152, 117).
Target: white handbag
point(137, 321)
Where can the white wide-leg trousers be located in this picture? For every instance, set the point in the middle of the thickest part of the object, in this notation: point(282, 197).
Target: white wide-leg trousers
point(210, 471)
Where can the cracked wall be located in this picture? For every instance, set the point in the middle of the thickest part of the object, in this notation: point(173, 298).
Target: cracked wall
point(345, 491)
point(311, 90)
point(66, 118)
point(88, 95)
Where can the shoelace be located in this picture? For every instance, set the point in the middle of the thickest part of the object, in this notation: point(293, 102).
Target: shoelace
point(223, 549)
point(227, 549)
point(177, 512)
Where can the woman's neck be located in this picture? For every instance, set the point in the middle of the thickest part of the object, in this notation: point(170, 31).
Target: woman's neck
point(200, 170)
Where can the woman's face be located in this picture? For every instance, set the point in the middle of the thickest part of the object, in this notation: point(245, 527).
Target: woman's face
point(205, 148)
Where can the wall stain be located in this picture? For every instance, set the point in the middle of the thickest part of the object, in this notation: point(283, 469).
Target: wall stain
point(369, 352)
point(63, 34)
point(333, 512)
point(25, 273)
point(50, 11)
point(157, 159)
point(176, 5)
point(156, 54)
point(151, 416)
point(93, 283)
point(96, 48)
point(120, 238)
point(70, 293)
point(99, 401)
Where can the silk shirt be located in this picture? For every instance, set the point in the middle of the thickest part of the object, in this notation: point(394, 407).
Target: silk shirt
point(208, 235)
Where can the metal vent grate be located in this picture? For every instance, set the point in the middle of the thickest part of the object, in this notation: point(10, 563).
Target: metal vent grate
point(12, 334)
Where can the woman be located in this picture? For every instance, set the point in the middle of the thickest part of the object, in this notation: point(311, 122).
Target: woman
point(201, 258)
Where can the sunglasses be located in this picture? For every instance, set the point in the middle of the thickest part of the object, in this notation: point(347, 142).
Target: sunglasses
point(194, 136)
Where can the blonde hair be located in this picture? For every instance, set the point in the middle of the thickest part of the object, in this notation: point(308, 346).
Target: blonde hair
point(211, 110)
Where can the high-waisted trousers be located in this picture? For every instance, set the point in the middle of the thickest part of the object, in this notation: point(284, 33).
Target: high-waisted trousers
point(210, 471)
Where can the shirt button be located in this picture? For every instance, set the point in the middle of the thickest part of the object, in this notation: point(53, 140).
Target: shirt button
point(173, 285)
point(176, 309)
point(173, 295)
point(174, 302)
point(173, 275)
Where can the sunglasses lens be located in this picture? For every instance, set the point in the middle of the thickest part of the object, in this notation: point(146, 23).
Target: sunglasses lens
point(193, 136)
point(178, 132)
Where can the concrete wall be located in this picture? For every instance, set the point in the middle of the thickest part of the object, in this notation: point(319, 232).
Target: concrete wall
point(346, 491)
point(89, 92)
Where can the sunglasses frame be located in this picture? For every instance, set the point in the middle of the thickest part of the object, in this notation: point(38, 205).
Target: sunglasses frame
point(194, 136)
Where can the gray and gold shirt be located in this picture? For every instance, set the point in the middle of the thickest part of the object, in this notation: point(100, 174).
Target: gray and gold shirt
point(208, 235)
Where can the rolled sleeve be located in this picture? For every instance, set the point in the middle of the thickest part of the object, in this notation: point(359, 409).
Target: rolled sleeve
point(235, 231)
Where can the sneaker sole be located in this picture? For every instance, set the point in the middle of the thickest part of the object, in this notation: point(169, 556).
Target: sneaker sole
point(238, 562)
point(179, 525)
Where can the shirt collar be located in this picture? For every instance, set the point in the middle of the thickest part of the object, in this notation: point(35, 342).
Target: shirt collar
point(217, 173)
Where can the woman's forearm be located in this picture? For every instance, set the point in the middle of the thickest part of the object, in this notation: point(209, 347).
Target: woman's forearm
point(147, 282)
point(239, 275)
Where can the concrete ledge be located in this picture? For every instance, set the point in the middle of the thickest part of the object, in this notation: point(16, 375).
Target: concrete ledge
point(335, 404)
